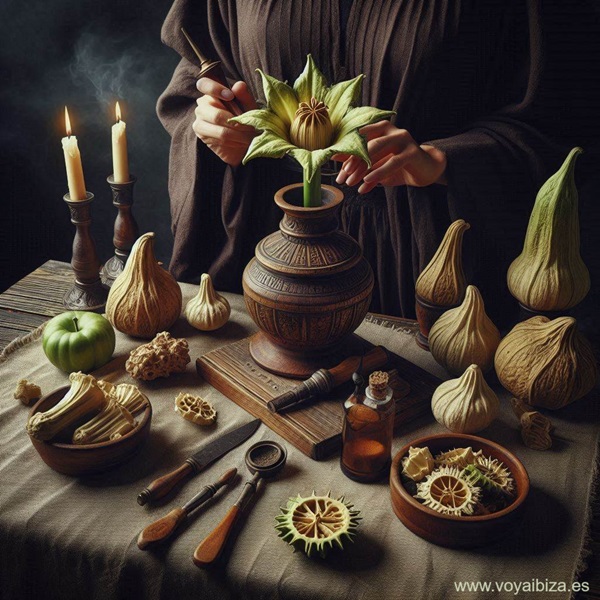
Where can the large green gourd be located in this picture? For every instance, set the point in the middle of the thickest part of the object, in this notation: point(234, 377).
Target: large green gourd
point(549, 274)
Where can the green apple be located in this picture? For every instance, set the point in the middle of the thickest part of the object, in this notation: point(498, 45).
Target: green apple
point(78, 341)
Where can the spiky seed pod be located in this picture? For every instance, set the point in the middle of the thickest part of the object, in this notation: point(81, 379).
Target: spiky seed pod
point(311, 128)
point(446, 492)
point(496, 472)
point(316, 524)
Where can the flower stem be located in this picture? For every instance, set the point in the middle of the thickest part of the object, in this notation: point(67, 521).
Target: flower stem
point(312, 190)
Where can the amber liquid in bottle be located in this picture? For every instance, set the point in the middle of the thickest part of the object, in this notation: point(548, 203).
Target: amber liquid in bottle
point(368, 430)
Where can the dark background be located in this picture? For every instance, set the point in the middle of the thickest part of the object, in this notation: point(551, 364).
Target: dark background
point(85, 54)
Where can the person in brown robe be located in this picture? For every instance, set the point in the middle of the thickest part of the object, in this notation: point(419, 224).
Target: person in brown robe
point(496, 86)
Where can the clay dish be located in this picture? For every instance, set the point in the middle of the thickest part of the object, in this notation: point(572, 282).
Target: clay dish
point(84, 459)
point(453, 531)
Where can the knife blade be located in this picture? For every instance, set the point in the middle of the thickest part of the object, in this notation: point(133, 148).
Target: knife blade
point(194, 464)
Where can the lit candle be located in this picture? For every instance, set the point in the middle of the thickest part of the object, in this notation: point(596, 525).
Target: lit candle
point(119, 149)
point(73, 163)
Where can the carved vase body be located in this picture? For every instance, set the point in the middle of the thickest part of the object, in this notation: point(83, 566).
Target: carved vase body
point(307, 288)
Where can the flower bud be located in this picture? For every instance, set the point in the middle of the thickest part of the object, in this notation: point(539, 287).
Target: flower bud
point(311, 128)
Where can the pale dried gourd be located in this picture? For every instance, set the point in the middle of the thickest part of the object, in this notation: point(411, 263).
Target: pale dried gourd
point(145, 298)
point(161, 357)
point(418, 463)
point(27, 392)
point(549, 274)
point(84, 397)
point(208, 310)
point(113, 422)
point(316, 524)
point(546, 363)
point(442, 281)
point(466, 404)
point(464, 336)
point(195, 409)
point(446, 492)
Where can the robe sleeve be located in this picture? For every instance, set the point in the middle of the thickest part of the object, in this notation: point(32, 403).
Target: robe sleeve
point(498, 162)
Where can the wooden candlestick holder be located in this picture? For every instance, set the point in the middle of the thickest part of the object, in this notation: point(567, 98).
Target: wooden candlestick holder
point(87, 293)
point(126, 230)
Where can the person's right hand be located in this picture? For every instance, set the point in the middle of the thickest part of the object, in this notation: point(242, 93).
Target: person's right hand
point(229, 141)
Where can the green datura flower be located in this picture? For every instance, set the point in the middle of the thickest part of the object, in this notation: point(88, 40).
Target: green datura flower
point(310, 121)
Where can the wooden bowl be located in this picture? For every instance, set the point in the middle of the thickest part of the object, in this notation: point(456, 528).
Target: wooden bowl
point(448, 530)
point(83, 459)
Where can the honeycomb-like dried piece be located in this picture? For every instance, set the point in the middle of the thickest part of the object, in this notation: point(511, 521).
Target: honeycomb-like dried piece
point(112, 423)
point(316, 524)
point(159, 358)
point(446, 492)
point(195, 409)
point(536, 428)
point(418, 463)
point(27, 392)
point(457, 457)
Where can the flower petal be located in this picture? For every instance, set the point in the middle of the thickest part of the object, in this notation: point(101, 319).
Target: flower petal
point(280, 97)
point(268, 145)
point(352, 143)
point(341, 96)
point(311, 160)
point(356, 118)
point(311, 83)
point(262, 119)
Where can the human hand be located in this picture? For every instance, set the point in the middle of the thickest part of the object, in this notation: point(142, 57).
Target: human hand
point(396, 160)
point(229, 141)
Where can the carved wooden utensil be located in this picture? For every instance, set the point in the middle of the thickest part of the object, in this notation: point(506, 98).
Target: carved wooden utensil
point(164, 528)
point(263, 459)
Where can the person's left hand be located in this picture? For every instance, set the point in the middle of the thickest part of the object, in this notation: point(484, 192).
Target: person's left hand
point(396, 160)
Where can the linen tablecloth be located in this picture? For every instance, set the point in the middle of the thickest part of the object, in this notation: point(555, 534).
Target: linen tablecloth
point(64, 537)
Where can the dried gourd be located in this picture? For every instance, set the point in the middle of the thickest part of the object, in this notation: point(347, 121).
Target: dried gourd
point(145, 298)
point(457, 457)
point(446, 492)
point(464, 336)
point(467, 404)
point(126, 394)
point(112, 423)
point(549, 274)
point(442, 281)
point(27, 392)
point(546, 363)
point(161, 357)
point(418, 463)
point(316, 524)
point(84, 397)
point(195, 409)
point(208, 310)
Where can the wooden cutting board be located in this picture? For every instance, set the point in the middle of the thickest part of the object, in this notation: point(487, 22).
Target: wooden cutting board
point(315, 429)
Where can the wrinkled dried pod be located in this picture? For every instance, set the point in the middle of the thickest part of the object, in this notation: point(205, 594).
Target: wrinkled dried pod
point(159, 358)
point(144, 299)
point(195, 409)
point(418, 464)
point(546, 363)
point(536, 428)
point(84, 396)
point(549, 274)
point(442, 281)
point(464, 336)
point(27, 392)
point(466, 404)
point(208, 310)
point(112, 423)
point(457, 457)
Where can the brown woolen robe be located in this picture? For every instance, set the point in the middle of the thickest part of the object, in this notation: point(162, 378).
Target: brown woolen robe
point(484, 81)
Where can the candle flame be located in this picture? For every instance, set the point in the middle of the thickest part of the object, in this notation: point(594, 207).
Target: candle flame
point(67, 123)
point(118, 112)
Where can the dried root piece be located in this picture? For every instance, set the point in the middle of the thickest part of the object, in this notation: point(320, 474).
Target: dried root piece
point(159, 358)
point(27, 392)
point(195, 409)
point(446, 492)
point(317, 524)
point(536, 428)
point(112, 423)
point(84, 396)
point(418, 464)
point(496, 473)
point(457, 457)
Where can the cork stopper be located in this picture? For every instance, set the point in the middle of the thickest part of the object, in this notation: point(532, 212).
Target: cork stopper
point(378, 382)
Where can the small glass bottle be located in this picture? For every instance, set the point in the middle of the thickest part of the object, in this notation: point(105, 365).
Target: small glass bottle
point(368, 430)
